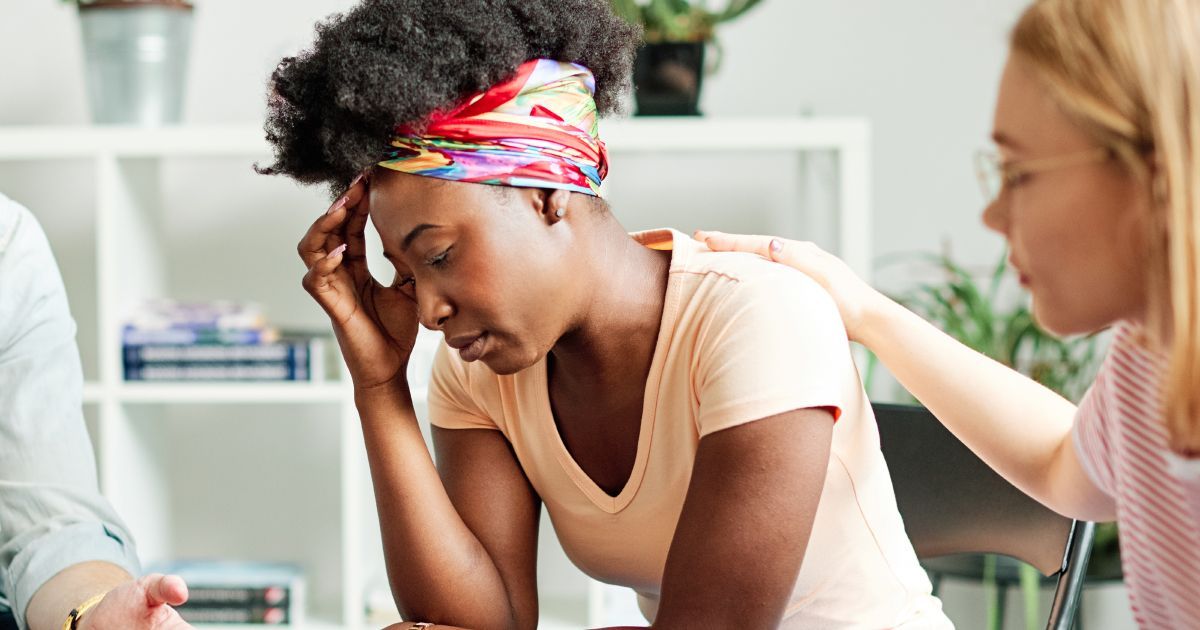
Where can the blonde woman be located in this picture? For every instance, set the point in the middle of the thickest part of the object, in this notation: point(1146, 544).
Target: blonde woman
point(1096, 188)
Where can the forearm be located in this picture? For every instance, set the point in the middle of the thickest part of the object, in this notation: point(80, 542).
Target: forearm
point(69, 588)
point(437, 567)
point(1020, 428)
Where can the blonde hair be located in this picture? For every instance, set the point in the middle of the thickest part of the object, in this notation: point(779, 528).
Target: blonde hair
point(1128, 72)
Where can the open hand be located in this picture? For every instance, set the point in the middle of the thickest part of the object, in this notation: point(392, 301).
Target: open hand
point(141, 604)
point(854, 298)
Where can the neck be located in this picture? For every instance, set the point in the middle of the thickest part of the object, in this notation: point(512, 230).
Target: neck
point(617, 328)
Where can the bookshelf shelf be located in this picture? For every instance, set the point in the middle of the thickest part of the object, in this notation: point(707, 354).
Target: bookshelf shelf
point(92, 393)
point(133, 226)
point(218, 393)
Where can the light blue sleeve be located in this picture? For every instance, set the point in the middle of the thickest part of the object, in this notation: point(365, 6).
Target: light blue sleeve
point(52, 515)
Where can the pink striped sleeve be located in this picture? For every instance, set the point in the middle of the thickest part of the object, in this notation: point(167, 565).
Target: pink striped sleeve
point(1187, 471)
point(1091, 432)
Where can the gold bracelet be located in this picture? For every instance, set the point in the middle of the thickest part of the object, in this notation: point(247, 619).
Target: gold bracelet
point(72, 622)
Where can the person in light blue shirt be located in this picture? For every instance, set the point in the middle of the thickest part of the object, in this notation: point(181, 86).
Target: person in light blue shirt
point(62, 547)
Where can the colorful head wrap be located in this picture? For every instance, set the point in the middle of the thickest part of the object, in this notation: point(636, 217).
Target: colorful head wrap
point(538, 129)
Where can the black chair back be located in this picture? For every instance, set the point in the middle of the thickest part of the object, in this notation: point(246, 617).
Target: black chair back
point(952, 502)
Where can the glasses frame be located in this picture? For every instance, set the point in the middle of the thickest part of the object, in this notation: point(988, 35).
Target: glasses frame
point(990, 168)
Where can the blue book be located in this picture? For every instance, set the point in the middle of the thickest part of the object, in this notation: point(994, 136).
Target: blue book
point(294, 350)
point(182, 336)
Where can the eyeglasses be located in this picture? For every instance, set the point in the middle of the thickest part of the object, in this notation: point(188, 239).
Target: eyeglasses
point(996, 175)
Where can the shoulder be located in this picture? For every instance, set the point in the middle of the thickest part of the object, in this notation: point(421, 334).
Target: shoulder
point(16, 219)
point(740, 285)
point(34, 313)
point(1133, 349)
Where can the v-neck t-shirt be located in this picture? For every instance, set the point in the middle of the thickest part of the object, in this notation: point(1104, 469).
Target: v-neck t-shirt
point(741, 339)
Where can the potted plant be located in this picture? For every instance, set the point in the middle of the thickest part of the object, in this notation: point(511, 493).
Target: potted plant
point(135, 53)
point(669, 68)
point(1005, 330)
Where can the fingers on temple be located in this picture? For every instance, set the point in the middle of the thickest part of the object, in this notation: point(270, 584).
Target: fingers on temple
point(354, 228)
point(320, 272)
point(331, 261)
point(346, 217)
point(316, 242)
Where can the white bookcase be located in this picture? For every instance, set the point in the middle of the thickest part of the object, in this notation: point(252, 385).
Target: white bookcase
point(277, 471)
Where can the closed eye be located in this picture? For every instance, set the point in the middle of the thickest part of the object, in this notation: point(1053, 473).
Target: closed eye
point(1014, 176)
point(439, 260)
point(408, 283)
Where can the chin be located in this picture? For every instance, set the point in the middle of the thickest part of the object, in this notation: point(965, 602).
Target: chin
point(506, 363)
point(1062, 323)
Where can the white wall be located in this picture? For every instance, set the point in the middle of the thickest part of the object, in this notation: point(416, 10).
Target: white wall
point(924, 72)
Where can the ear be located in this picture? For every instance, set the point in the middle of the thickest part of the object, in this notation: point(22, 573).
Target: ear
point(554, 205)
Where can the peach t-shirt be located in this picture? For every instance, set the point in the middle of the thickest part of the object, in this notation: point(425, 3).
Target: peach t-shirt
point(741, 339)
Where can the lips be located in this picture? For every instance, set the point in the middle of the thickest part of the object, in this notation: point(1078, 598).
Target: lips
point(1022, 277)
point(470, 347)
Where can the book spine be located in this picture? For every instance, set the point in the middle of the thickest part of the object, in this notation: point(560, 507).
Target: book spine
point(235, 596)
point(197, 315)
point(258, 615)
point(186, 336)
point(138, 354)
point(260, 371)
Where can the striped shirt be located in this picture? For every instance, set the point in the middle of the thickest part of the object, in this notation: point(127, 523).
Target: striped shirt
point(1121, 437)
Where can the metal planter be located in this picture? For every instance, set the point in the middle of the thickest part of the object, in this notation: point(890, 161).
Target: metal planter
point(135, 57)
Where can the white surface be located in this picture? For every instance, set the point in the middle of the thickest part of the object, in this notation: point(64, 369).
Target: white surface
point(219, 393)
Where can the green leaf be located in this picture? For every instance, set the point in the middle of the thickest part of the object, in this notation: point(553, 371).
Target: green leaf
point(736, 9)
point(628, 9)
point(997, 276)
point(679, 20)
point(1031, 582)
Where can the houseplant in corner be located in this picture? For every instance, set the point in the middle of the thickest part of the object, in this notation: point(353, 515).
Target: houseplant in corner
point(135, 54)
point(669, 68)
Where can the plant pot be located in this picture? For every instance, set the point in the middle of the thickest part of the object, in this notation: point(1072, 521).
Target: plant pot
point(667, 79)
point(135, 53)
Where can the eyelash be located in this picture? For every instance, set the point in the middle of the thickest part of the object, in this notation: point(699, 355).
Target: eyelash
point(1015, 180)
point(437, 262)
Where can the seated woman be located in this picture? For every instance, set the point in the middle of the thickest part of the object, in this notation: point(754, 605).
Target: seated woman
point(719, 458)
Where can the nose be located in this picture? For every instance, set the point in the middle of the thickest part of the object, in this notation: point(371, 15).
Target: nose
point(995, 215)
point(433, 309)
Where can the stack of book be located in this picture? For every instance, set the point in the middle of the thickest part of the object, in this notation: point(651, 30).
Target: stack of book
point(216, 341)
point(222, 592)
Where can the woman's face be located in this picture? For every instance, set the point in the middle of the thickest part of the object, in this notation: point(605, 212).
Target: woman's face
point(488, 266)
point(1074, 233)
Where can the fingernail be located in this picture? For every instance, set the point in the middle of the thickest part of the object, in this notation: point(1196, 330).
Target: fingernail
point(776, 245)
point(337, 251)
point(357, 179)
point(338, 204)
